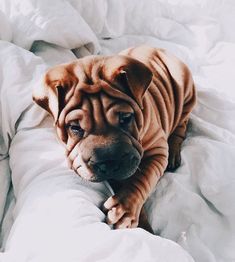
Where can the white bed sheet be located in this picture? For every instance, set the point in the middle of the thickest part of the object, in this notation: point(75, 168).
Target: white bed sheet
point(56, 215)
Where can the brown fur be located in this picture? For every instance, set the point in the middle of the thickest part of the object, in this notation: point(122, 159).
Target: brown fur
point(149, 82)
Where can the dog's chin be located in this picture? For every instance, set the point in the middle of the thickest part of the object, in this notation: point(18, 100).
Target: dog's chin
point(93, 177)
point(96, 179)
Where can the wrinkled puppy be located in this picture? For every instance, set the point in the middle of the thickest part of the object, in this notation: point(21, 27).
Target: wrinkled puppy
point(123, 118)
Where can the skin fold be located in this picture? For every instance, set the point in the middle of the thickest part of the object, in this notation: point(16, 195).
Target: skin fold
point(123, 118)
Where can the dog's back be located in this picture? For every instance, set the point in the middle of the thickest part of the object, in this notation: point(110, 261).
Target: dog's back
point(172, 92)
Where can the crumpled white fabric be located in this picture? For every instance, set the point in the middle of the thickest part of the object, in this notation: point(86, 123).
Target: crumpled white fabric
point(55, 22)
point(5, 29)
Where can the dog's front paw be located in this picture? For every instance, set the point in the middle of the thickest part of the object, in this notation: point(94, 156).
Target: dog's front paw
point(123, 209)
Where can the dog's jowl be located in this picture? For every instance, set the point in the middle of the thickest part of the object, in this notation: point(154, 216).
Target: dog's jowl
point(123, 118)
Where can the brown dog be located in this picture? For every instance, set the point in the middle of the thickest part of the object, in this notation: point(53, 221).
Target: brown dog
point(119, 116)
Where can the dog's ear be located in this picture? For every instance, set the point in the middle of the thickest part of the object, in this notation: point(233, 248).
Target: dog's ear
point(51, 93)
point(130, 76)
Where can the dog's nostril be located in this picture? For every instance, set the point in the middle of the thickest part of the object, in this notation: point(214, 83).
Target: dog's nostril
point(107, 166)
point(102, 167)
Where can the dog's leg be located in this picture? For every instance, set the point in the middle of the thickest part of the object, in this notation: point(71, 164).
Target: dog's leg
point(174, 143)
point(178, 135)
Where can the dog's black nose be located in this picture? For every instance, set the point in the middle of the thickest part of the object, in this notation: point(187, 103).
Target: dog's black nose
point(117, 161)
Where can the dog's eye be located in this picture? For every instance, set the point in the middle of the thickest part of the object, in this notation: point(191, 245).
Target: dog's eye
point(76, 129)
point(125, 119)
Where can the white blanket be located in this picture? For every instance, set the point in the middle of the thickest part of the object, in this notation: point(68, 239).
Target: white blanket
point(55, 216)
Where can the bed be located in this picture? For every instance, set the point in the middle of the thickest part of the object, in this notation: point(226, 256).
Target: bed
point(47, 213)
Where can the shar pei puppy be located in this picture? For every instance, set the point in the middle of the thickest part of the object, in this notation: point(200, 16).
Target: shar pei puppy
point(123, 119)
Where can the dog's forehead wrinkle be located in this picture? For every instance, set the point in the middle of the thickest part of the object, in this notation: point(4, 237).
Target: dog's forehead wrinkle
point(97, 112)
point(107, 101)
point(91, 67)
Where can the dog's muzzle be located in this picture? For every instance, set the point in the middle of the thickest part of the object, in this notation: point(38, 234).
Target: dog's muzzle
point(117, 161)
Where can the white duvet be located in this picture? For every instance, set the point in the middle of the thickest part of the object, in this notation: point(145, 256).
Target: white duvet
point(46, 212)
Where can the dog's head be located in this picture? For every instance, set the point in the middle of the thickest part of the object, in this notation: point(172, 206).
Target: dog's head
point(96, 103)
